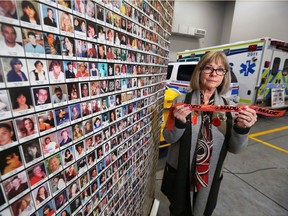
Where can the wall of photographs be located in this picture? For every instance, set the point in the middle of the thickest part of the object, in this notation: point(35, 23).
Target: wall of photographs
point(81, 98)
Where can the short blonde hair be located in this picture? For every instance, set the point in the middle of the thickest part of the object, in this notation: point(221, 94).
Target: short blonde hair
point(206, 59)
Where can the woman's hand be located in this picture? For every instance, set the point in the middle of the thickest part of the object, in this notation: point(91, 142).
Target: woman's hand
point(180, 112)
point(246, 118)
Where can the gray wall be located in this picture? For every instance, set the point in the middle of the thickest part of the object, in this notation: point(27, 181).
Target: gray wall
point(228, 21)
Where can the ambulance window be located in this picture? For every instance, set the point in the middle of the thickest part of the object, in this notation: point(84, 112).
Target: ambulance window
point(185, 72)
point(233, 77)
point(169, 71)
point(275, 66)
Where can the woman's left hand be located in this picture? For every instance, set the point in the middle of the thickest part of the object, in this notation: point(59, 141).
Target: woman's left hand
point(246, 118)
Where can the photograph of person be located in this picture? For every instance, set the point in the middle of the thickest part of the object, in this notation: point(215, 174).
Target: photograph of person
point(73, 189)
point(97, 122)
point(81, 48)
point(110, 36)
point(103, 69)
point(15, 185)
point(65, 23)
point(49, 15)
point(52, 44)
point(47, 209)
point(56, 73)
point(69, 68)
point(111, 85)
point(68, 156)
point(79, 150)
point(104, 86)
point(101, 33)
point(73, 91)
point(60, 96)
point(16, 71)
point(60, 199)
point(79, 6)
point(98, 139)
point(49, 144)
point(90, 9)
point(10, 160)
point(91, 30)
point(46, 121)
point(7, 135)
point(11, 41)
point(23, 206)
point(29, 12)
point(89, 143)
point(117, 20)
point(37, 71)
point(64, 136)
point(27, 127)
point(31, 151)
point(62, 117)
point(9, 10)
point(41, 96)
point(77, 131)
point(101, 51)
point(68, 47)
point(96, 105)
point(95, 88)
point(33, 43)
point(57, 182)
point(84, 89)
point(92, 50)
point(75, 112)
point(53, 164)
point(41, 194)
point(71, 173)
point(104, 105)
point(83, 70)
point(100, 13)
point(21, 101)
point(106, 134)
point(37, 174)
point(82, 167)
point(86, 109)
point(109, 17)
point(87, 126)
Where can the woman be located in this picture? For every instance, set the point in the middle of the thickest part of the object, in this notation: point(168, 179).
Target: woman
point(82, 70)
point(29, 13)
point(66, 23)
point(24, 207)
point(93, 69)
point(73, 190)
point(109, 54)
point(21, 102)
point(68, 156)
point(42, 194)
point(15, 74)
point(78, 133)
point(192, 185)
point(48, 211)
point(28, 128)
point(69, 45)
point(38, 74)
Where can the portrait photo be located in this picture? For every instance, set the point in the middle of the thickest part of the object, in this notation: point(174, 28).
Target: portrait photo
point(68, 48)
point(8, 12)
point(47, 209)
point(79, 150)
point(68, 156)
point(103, 69)
point(53, 164)
point(8, 135)
point(64, 136)
point(37, 70)
point(46, 122)
point(27, 127)
point(15, 186)
point(62, 117)
point(32, 151)
point(23, 206)
point(59, 95)
point(66, 23)
point(57, 182)
point(71, 173)
point(90, 10)
point(73, 91)
point(60, 199)
point(49, 144)
point(52, 45)
point(41, 194)
point(21, 100)
point(29, 13)
point(70, 69)
point(37, 174)
point(100, 13)
point(41, 97)
point(91, 30)
point(11, 40)
point(49, 18)
point(33, 43)
point(75, 112)
point(77, 131)
point(56, 74)
point(15, 70)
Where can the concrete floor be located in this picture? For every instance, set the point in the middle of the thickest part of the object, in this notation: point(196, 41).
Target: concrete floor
point(255, 181)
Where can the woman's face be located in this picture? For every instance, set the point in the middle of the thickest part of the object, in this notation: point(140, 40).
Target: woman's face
point(42, 191)
point(39, 67)
point(28, 125)
point(17, 67)
point(210, 81)
point(66, 20)
point(30, 12)
point(21, 100)
point(68, 44)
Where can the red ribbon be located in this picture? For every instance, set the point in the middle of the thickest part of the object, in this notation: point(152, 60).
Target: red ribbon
point(222, 108)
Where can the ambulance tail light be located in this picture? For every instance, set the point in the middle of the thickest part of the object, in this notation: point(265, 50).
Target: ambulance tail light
point(267, 64)
point(252, 48)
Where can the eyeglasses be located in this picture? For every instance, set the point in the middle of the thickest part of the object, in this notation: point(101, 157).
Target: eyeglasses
point(219, 71)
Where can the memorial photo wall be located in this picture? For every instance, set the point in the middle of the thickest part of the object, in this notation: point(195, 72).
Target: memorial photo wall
point(80, 84)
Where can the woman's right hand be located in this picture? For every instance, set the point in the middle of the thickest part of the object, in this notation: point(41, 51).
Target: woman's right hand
point(180, 112)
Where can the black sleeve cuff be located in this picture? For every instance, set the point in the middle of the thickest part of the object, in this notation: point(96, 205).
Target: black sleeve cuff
point(241, 130)
point(179, 124)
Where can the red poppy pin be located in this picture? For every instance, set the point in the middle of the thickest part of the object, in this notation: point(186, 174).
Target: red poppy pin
point(216, 122)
